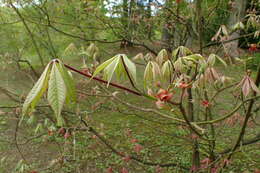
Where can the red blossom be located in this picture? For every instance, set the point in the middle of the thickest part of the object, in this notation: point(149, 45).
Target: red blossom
point(164, 95)
point(178, 1)
point(205, 103)
point(253, 48)
point(138, 148)
point(183, 85)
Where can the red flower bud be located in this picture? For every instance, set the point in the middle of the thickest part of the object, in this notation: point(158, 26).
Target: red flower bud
point(164, 95)
point(205, 103)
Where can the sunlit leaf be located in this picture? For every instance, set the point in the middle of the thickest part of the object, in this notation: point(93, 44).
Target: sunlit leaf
point(180, 52)
point(69, 82)
point(131, 68)
point(103, 65)
point(37, 91)
point(110, 69)
point(167, 70)
point(57, 92)
point(148, 73)
point(162, 57)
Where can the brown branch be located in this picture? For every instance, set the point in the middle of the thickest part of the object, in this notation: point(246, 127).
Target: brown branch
point(227, 41)
point(29, 32)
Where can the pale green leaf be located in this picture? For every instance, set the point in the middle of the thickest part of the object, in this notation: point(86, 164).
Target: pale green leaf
point(37, 91)
point(148, 73)
point(69, 82)
point(180, 52)
point(167, 70)
point(161, 57)
point(110, 69)
point(131, 68)
point(57, 93)
point(103, 66)
point(221, 60)
point(211, 60)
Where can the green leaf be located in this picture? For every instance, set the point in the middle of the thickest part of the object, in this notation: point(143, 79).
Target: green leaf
point(37, 91)
point(167, 70)
point(110, 69)
point(57, 92)
point(103, 66)
point(131, 68)
point(221, 60)
point(148, 73)
point(161, 57)
point(180, 52)
point(211, 60)
point(69, 82)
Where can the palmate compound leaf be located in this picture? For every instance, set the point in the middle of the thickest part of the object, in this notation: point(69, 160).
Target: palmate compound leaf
point(57, 92)
point(37, 91)
point(119, 64)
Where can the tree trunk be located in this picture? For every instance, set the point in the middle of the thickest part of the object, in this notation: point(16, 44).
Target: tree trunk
point(237, 13)
point(166, 31)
